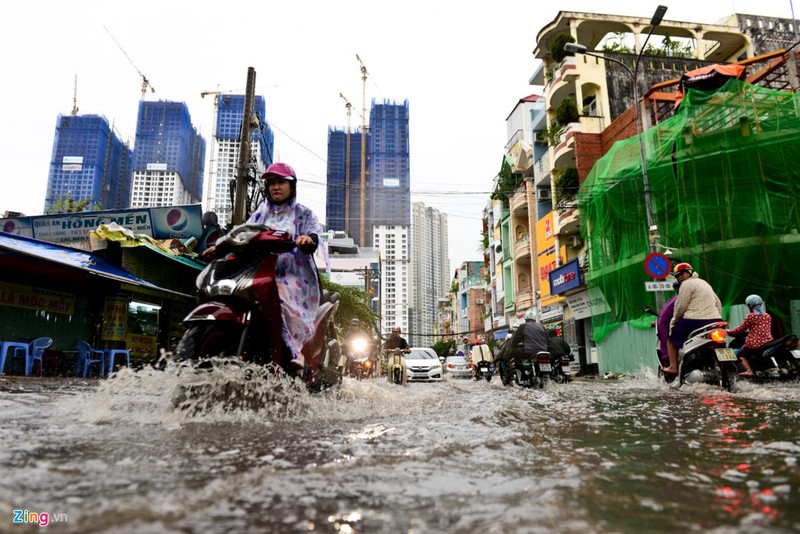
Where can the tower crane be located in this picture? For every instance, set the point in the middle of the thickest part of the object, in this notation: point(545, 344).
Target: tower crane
point(349, 107)
point(363, 143)
point(75, 97)
point(145, 81)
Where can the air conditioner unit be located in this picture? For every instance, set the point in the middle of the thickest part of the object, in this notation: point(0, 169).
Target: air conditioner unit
point(575, 241)
point(479, 301)
point(545, 194)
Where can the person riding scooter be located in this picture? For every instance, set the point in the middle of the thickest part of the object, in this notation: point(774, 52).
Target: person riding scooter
point(357, 344)
point(758, 325)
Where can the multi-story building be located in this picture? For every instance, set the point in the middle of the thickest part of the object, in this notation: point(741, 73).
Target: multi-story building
point(470, 302)
point(168, 156)
point(590, 102)
point(89, 162)
point(343, 200)
point(392, 242)
point(226, 145)
point(389, 166)
point(430, 271)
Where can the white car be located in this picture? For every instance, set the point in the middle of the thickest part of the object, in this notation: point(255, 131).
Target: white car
point(423, 364)
point(458, 367)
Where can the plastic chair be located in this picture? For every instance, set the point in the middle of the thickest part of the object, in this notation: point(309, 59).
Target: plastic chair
point(34, 352)
point(87, 356)
point(110, 353)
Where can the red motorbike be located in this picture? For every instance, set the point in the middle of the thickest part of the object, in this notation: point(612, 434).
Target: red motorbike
point(239, 312)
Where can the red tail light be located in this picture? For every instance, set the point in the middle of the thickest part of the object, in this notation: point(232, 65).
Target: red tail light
point(718, 335)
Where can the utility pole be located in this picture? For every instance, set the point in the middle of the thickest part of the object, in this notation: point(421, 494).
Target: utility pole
point(244, 150)
point(363, 145)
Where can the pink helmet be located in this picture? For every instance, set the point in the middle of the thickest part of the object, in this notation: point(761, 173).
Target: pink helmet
point(280, 170)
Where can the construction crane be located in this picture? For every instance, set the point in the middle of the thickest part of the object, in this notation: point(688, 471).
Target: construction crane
point(363, 143)
point(75, 97)
point(145, 81)
point(349, 107)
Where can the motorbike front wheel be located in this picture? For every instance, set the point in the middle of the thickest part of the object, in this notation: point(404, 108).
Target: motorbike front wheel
point(397, 376)
point(202, 341)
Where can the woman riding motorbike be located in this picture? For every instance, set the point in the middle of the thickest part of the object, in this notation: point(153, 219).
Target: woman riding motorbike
point(758, 325)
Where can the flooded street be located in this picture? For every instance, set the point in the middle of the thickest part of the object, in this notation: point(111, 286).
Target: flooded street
point(627, 455)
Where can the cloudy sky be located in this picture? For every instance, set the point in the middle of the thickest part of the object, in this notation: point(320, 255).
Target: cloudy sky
point(462, 66)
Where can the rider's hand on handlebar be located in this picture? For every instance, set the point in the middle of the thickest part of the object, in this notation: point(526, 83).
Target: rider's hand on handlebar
point(210, 253)
point(305, 243)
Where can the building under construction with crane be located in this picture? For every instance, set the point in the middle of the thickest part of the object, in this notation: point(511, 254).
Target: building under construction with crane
point(169, 156)
point(228, 115)
point(89, 162)
point(386, 196)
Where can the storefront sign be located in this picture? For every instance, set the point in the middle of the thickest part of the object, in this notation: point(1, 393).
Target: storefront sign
point(141, 346)
point(546, 257)
point(180, 222)
point(566, 277)
point(588, 303)
point(115, 319)
point(36, 298)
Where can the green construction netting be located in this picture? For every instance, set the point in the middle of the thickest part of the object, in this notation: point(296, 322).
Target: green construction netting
point(723, 178)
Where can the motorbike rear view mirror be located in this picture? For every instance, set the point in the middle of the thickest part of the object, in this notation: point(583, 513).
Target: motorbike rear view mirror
point(648, 309)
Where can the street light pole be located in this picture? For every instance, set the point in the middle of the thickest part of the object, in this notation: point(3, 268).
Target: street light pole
point(575, 48)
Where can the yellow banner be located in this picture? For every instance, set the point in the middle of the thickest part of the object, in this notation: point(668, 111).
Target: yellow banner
point(115, 319)
point(36, 298)
point(546, 258)
point(142, 346)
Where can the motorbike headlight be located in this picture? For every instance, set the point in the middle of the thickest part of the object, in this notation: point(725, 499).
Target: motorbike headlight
point(222, 287)
point(360, 344)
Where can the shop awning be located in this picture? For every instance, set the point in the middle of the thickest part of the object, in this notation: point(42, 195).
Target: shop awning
point(77, 259)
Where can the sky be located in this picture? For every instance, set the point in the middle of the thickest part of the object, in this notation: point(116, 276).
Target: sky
point(462, 67)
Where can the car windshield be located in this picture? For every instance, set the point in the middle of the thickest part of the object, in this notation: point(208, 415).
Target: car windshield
point(418, 354)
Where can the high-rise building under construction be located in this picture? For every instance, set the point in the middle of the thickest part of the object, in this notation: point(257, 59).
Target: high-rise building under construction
point(169, 156)
point(387, 198)
point(226, 145)
point(89, 162)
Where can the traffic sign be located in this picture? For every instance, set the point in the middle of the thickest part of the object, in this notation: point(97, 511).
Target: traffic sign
point(657, 265)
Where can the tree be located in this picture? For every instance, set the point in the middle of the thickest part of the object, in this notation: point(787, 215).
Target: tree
point(567, 111)
point(442, 348)
point(353, 304)
point(506, 183)
point(66, 204)
point(557, 52)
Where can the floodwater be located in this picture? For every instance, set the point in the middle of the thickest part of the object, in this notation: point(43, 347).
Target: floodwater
point(619, 455)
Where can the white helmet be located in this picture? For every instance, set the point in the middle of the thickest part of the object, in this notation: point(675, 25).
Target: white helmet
point(530, 315)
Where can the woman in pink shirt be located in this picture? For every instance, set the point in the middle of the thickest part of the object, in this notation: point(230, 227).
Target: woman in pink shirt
point(758, 325)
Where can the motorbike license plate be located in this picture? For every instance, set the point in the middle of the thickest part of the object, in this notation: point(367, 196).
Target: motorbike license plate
point(725, 355)
point(545, 367)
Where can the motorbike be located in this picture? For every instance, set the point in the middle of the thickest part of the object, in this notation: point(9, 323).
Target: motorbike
point(359, 364)
point(705, 358)
point(532, 372)
point(239, 315)
point(396, 370)
point(778, 359)
point(483, 363)
point(556, 364)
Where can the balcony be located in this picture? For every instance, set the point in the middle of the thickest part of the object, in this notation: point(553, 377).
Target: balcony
point(567, 220)
point(522, 248)
point(541, 170)
point(524, 299)
point(563, 81)
point(519, 201)
point(564, 153)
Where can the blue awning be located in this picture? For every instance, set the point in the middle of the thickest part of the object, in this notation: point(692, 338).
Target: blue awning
point(501, 334)
point(77, 259)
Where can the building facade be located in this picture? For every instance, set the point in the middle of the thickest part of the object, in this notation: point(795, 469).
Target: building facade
point(389, 165)
point(392, 243)
point(169, 156)
point(225, 149)
point(89, 162)
point(343, 194)
point(430, 271)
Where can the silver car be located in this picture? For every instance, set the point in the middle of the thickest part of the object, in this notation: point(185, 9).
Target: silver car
point(457, 367)
point(423, 364)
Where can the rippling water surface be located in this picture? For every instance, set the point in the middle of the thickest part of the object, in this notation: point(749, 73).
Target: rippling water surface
point(626, 455)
